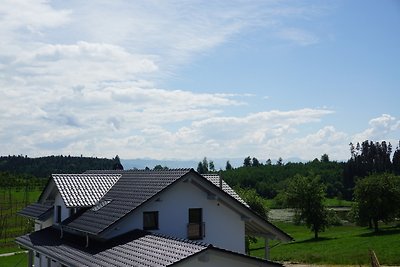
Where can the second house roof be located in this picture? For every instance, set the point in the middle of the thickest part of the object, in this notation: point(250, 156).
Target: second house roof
point(84, 190)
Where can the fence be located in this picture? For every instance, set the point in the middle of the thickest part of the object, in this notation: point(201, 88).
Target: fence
point(12, 200)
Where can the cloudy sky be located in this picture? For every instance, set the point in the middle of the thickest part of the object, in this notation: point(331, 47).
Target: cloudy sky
point(186, 79)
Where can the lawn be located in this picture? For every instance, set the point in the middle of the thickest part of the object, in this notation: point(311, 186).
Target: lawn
point(12, 225)
point(17, 260)
point(339, 245)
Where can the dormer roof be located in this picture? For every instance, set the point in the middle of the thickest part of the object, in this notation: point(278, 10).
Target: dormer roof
point(83, 190)
point(37, 211)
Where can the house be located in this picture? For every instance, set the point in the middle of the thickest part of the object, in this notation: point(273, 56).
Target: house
point(143, 218)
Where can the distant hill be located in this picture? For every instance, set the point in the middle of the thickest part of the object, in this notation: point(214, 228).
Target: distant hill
point(44, 166)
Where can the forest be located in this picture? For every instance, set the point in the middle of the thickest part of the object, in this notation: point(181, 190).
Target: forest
point(23, 168)
point(339, 178)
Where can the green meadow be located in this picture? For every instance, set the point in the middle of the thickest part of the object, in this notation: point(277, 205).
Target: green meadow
point(338, 245)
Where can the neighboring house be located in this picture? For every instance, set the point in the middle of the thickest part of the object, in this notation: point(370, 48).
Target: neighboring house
point(143, 218)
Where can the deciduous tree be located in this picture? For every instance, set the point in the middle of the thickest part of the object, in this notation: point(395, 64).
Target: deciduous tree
point(377, 198)
point(306, 196)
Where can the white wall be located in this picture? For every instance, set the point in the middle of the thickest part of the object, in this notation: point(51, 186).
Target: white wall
point(39, 225)
point(218, 259)
point(64, 210)
point(223, 227)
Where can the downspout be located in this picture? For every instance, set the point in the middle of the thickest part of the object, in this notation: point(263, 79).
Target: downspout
point(62, 232)
point(87, 240)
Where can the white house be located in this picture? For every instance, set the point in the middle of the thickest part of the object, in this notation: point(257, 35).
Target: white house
point(143, 218)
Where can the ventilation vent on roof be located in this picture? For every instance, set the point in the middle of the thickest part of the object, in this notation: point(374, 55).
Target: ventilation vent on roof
point(101, 204)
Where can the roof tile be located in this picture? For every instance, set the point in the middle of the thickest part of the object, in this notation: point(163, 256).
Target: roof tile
point(136, 248)
point(131, 190)
point(84, 190)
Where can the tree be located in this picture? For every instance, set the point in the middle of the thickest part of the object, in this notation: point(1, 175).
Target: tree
point(377, 197)
point(247, 162)
point(325, 158)
point(117, 165)
point(268, 162)
point(211, 166)
point(255, 203)
point(228, 166)
point(396, 161)
point(202, 167)
point(306, 196)
point(279, 162)
point(158, 167)
point(254, 200)
point(256, 162)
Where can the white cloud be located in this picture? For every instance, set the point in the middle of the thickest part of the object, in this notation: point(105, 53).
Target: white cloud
point(79, 78)
point(381, 128)
point(326, 140)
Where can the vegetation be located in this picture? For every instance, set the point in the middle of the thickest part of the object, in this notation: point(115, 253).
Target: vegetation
point(339, 178)
point(269, 179)
point(377, 199)
point(254, 200)
point(18, 260)
point(45, 166)
point(339, 245)
point(306, 196)
point(12, 200)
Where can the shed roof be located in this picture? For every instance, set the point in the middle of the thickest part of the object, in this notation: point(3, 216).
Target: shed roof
point(135, 248)
point(37, 211)
point(84, 190)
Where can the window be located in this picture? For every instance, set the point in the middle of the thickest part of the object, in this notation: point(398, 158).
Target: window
point(58, 214)
point(150, 220)
point(195, 227)
point(195, 216)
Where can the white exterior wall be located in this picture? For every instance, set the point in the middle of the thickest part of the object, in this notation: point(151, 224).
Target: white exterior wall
point(43, 261)
point(64, 210)
point(223, 227)
point(39, 225)
point(217, 259)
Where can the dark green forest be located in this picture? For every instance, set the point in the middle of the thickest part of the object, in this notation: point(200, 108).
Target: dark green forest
point(266, 178)
point(339, 178)
point(17, 171)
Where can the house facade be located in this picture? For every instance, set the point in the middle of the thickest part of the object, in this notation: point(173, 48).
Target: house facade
point(100, 215)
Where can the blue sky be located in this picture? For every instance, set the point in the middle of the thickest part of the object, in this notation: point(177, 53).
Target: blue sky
point(188, 79)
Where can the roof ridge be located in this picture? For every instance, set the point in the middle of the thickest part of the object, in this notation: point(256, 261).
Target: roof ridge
point(85, 174)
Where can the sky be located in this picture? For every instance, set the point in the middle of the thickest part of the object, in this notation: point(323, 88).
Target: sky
point(186, 79)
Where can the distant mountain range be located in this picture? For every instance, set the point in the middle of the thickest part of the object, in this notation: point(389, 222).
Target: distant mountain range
point(171, 163)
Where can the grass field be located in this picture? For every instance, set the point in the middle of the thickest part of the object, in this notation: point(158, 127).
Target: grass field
point(17, 260)
point(13, 200)
point(339, 245)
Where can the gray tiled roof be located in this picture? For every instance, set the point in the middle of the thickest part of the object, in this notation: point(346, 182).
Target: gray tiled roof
point(215, 179)
point(136, 248)
point(37, 211)
point(84, 190)
point(133, 189)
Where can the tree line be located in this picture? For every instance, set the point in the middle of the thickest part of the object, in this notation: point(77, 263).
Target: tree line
point(370, 178)
point(44, 166)
point(339, 178)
